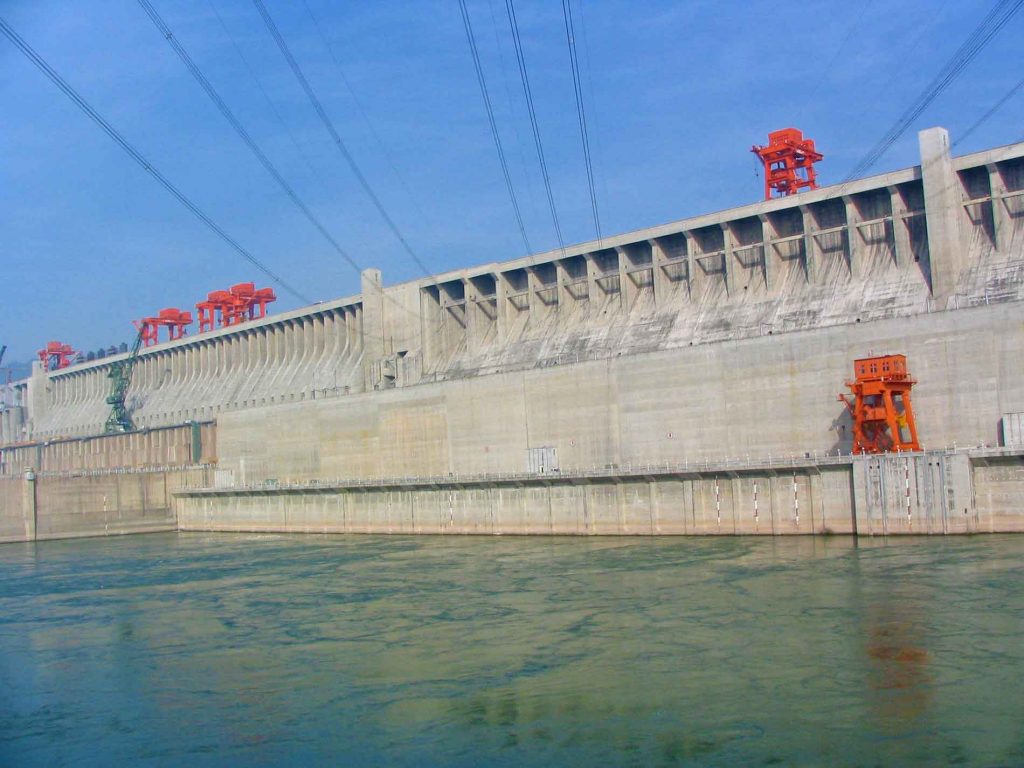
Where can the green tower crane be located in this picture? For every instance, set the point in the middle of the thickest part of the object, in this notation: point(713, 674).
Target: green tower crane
point(120, 375)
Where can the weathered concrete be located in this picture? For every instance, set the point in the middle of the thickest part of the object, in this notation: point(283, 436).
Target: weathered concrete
point(759, 397)
point(928, 493)
point(65, 505)
point(948, 233)
point(707, 340)
point(175, 445)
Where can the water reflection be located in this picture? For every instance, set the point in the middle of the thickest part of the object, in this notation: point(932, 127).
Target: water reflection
point(216, 650)
point(900, 677)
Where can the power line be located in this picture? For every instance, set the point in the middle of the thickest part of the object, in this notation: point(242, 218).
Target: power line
point(499, 46)
point(361, 110)
point(510, 10)
point(107, 128)
point(839, 49)
point(471, 39)
point(266, 96)
point(581, 113)
point(996, 19)
point(329, 125)
point(992, 110)
point(593, 100)
point(240, 130)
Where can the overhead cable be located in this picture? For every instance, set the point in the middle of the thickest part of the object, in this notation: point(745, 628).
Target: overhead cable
point(385, 151)
point(996, 19)
point(581, 113)
point(107, 128)
point(314, 171)
point(471, 39)
point(991, 111)
point(339, 143)
point(510, 11)
point(242, 132)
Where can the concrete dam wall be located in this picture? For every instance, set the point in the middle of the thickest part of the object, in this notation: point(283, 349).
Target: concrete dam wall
point(720, 340)
point(944, 235)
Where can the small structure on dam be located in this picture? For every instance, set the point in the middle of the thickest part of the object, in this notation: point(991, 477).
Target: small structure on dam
point(882, 412)
point(625, 376)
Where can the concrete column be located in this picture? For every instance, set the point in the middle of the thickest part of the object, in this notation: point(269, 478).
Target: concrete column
point(660, 279)
point(812, 260)
point(35, 399)
point(854, 242)
point(728, 245)
point(1001, 221)
point(373, 321)
point(942, 205)
point(592, 274)
point(470, 314)
point(501, 306)
point(768, 234)
point(901, 234)
point(693, 272)
point(565, 298)
point(538, 308)
point(28, 505)
point(627, 288)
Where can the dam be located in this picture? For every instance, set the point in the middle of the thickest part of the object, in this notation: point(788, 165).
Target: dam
point(677, 379)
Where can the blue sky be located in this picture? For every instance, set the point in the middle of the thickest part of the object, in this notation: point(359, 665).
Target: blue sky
point(676, 94)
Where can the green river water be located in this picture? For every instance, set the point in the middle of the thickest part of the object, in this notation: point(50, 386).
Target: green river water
point(202, 650)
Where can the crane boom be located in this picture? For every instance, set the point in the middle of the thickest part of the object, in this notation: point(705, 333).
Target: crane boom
point(120, 375)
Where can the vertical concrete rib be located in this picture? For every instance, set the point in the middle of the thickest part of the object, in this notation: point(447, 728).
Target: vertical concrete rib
point(812, 258)
point(854, 241)
point(942, 205)
point(903, 252)
point(1002, 223)
point(372, 321)
point(659, 280)
point(501, 306)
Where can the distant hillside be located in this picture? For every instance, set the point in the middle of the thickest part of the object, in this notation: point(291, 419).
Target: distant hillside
point(18, 370)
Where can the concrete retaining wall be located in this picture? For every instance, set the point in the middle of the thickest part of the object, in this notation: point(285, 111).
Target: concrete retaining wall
point(164, 446)
point(58, 506)
point(929, 493)
point(697, 504)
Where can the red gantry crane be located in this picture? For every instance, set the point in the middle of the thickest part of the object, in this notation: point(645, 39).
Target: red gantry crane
point(789, 161)
point(56, 355)
point(238, 304)
point(175, 320)
point(883, 417)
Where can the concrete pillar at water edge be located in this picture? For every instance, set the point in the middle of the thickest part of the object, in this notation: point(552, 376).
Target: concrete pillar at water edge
point(28, 504)
point(373, 322)
point(947, 255)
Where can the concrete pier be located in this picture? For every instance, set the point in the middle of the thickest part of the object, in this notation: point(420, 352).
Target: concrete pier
point(940, 492)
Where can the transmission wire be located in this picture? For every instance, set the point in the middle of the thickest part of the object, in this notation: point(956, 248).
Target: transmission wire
point(266, 96)
point(538, 144)
point(992, 110)
point(362, 110)
point(581, 113)
point(242, 132)
point(41, 64)
point(471, 39)
point(996, 19)
point(329, 125)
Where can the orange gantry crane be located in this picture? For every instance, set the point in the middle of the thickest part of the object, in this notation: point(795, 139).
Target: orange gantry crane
point(883, 417)
point(238, 304)
point(175, 320)
point(56, 355)
point(788, 161)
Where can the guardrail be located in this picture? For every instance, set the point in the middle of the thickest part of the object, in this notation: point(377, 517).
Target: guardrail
point(734, 466)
